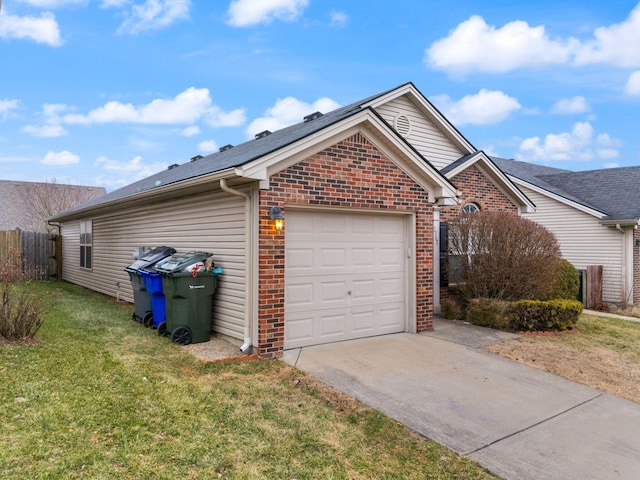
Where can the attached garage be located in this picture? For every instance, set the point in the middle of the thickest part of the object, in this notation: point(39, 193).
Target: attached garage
point(346, 276)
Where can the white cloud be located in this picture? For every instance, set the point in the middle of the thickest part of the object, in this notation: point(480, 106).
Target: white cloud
point(579, 144)
point(614, 45)
point(570, 106)
point(43, 29)
point(114, 3)
point(186, 108)
point(45, 131)
point(288, 111)
point(7, 107)
point(611, 165)
point(633, 84)
point(134, 169)
point(475, 46)
point(208, 146)
point(152, 14)
point(485, 107)
point(339, 19)
point(190, 131)
point(60, 159)
point(244, 13)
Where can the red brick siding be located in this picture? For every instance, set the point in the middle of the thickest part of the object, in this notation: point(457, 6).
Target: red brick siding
point(350, 174)
point(636, 266)
point(475, 187)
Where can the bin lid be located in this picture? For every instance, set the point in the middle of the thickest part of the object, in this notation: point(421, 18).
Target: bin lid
point(151, 257)
point(178, 262)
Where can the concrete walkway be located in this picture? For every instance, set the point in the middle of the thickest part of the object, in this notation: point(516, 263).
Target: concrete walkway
point(518, 422)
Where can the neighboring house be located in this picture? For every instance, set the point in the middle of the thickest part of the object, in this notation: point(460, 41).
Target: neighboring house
point(27, 205)
point(363, 190)
point(595, 217)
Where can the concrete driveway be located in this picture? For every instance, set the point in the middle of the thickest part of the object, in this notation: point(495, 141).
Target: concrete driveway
point(518, 422)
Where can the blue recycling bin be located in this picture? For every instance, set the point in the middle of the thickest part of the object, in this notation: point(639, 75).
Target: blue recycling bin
point(153, 284)
point(142, 300)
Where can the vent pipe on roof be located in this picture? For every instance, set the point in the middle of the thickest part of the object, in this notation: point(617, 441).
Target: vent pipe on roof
point(225, 148)
point(312, 116)
point(171, 167)
point(263, 134)
point(197, 157)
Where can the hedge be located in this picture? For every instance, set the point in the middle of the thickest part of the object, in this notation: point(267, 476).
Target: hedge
point(543, 316)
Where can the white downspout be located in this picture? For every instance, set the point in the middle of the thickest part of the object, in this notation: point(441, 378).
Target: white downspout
point(436, 261)
point(627, 264)
point(247, 260)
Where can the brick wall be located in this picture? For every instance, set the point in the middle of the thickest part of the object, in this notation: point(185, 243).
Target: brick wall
point(476, 188)
point(351, 174)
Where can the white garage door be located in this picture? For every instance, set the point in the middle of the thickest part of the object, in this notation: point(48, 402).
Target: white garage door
point(345, 276)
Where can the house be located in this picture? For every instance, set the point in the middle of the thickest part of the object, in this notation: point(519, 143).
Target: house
point(362, 189)
point(594, 216)
point(27, 205)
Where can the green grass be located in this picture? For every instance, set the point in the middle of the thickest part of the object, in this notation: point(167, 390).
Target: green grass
point(98, 396)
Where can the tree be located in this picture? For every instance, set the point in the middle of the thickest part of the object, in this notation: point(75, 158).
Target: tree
point(43, 200)
point(502, 256)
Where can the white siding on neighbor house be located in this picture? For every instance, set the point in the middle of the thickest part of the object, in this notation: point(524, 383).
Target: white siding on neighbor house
point(423, 134)
point(213, 222)
point(583, 241)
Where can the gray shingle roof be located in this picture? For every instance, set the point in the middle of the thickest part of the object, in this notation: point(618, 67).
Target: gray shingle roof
point(613, 191)
point(234, 157)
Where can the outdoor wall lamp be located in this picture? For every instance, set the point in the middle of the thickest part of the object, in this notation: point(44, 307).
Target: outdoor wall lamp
point(275, 214)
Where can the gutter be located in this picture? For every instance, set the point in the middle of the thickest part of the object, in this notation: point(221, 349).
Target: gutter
point(247, 254)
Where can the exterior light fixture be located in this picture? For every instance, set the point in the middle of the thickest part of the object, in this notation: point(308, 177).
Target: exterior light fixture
point(275, 214)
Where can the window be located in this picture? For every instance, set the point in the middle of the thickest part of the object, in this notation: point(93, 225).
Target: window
point(86, 243)
point(471, 208)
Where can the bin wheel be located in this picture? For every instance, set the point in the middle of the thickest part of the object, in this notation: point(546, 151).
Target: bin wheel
point(162, 329)
point(181, 336)
point(147, 321)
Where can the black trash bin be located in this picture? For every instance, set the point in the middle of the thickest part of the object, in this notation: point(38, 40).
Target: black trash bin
point(141, 297)
point(188, 288)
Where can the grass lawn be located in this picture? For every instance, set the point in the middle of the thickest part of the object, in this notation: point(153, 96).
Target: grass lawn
point(603, 353)
point(98, 396)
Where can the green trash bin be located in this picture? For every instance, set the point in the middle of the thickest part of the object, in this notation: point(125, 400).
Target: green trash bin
point(188, 297)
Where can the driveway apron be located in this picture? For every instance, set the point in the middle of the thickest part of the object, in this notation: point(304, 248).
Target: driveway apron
point(518, 422)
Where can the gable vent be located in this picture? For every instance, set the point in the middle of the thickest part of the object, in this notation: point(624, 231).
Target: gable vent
point(312, 116)
point(263, 134)
point(403, 125)
point(226, 147)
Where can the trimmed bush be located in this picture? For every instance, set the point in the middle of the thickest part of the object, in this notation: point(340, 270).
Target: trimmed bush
point(543, 316)
point(567, 282)
point(487, 312)
point(450, 310)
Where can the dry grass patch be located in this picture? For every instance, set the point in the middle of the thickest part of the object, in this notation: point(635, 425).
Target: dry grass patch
point(603, 353)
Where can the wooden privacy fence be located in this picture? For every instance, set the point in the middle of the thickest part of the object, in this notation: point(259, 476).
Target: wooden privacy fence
point(33, 252)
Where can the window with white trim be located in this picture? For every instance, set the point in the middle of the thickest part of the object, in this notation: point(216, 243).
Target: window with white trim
point(86, 244)
point(471, 208)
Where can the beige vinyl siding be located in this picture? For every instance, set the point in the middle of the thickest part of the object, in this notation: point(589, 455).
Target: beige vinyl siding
point(423, 135)
point(212, 222)
point(583, 240)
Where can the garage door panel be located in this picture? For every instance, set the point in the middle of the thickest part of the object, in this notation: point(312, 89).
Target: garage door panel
point(345, 276)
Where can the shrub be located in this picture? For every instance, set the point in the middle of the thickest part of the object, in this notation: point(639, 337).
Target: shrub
point(487, 312)
point(567, 282)
point(503, 256)
point(450, 310)
point(21, 311)
point(543, 316)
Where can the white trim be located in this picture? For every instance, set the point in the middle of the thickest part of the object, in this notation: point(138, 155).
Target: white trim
point(436, 261)
point(563, 200)
point(427, 108)
point(377, 131)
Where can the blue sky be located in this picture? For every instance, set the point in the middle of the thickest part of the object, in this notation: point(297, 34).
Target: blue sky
point(105, 92)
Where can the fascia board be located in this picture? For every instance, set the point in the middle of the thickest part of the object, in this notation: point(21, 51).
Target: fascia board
point(374, 129)
point(556, 197)
point(429, 110)
point(499, 178)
